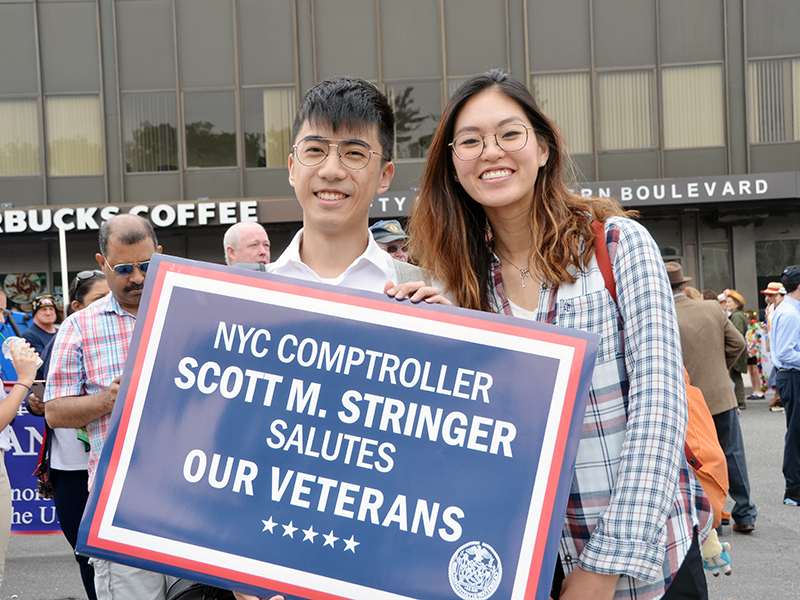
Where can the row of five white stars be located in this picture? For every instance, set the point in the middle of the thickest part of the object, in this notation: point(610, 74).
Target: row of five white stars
point(310, 534)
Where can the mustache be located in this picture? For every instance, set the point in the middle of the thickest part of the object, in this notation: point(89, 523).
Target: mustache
point(133, 287)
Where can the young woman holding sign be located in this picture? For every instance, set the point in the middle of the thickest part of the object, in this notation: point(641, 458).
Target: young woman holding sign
point(498, 225)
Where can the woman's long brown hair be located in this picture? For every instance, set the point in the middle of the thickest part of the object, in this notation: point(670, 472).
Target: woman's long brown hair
point(448, 228)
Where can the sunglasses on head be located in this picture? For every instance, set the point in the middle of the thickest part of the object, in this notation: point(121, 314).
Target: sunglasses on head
point(392, 248)
point(125, 269)
point(84, 275)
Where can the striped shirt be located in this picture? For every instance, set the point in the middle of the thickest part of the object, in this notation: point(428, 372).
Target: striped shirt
point(89, 352)
point(634, 500)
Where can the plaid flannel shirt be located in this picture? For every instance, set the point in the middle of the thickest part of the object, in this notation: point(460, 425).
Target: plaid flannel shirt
point(88, 353)
point(634, 501)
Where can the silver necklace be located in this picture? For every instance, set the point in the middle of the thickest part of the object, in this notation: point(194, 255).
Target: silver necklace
point(523, 273)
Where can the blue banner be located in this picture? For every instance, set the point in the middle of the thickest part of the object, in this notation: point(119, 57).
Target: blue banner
point(328, 443)
point(30, 513)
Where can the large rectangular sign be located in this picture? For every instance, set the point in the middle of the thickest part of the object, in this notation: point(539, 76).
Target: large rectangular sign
point(327, 443)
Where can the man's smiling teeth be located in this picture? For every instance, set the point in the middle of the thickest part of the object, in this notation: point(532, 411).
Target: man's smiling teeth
point(330, 196)
point(496, 174)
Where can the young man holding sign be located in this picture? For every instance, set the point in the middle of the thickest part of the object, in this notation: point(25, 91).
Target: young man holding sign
point(341, 158)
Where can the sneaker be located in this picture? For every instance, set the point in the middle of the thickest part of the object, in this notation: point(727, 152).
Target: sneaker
point(756, 397)
point(792, 497)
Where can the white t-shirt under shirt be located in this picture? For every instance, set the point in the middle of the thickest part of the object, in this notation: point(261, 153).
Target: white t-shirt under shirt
point(67, 452)
point(369, 272)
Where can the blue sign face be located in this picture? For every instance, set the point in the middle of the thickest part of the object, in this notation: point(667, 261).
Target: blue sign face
point(30, 513)
point(330, 443)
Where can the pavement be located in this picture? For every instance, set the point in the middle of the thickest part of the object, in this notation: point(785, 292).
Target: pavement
point(765, 563)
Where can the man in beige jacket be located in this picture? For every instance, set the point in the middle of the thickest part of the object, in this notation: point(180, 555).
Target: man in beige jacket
point(711, 344)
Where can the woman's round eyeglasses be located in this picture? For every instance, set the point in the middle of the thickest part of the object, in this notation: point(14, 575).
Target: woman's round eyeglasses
point(510, 138)
point(352, 154)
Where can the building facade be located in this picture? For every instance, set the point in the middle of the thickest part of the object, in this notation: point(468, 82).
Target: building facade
point(182, 110)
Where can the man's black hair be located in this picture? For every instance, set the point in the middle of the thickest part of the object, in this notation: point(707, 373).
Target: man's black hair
point(790, 287)
point(348, 103)
point(139, 230)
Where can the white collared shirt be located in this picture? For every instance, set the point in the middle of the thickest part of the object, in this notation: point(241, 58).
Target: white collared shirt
point(369, 272)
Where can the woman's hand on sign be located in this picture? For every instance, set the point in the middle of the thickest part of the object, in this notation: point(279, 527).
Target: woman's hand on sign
point(416, 291)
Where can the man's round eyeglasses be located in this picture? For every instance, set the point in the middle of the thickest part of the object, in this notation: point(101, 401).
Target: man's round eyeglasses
point(125, 269)
point(510, 138)
point(392, 248)
point(352, 154)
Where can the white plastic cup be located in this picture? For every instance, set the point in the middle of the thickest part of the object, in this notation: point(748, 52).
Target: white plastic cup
point(18, 344)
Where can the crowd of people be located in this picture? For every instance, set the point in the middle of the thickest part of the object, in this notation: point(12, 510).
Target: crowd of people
point(497, 228)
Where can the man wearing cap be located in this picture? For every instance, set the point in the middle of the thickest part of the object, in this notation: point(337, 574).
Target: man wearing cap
point(785, 339)
point(711, 344)
point(391, 238)
point(43, 329)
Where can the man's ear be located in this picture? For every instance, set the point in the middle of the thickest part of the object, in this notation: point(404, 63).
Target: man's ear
point(158, 250)
point(101, 260)
point(291, 170)
point(387, 172)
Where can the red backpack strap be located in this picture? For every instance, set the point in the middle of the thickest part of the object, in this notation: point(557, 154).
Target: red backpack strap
point(603, 259)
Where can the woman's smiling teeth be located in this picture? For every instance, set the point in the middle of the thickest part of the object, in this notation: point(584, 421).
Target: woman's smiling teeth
point(496, 174)
point(330, 195)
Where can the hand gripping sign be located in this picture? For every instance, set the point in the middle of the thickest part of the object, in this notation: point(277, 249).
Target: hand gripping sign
point(328, 443)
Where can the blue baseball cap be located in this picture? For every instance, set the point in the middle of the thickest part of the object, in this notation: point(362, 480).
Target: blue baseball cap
point(388, 231)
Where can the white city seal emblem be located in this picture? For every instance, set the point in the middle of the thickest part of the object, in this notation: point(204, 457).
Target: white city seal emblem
point(475, 571)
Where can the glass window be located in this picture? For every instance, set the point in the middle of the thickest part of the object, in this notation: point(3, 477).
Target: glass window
point(716, 266)
point(626, 110)
point(205, 33)
point(150, 132)
point(268, 118)
point(411, 38)
point(417, 107)
point(18, 49)
point(694, 109)
point(69, 47)
point(73, 125)
point(773, 256)
point(347, 38)
point(266, 29)
point(19, 137)
point(146, 37)
point(476, 35)
point(566, 99)
point(453, 83)
point(774, 100)
point(210, 129)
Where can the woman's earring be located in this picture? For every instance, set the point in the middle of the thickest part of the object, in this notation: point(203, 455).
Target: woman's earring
point(455, 177)
point(543, 162)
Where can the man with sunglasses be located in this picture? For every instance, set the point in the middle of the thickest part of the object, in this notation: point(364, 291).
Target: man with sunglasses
point(341, 158)
point(86, 366)
point(391, 238)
